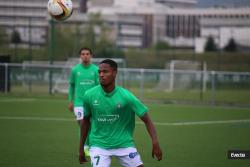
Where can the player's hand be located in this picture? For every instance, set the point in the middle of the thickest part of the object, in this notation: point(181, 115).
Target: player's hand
point(82, 157)
point(156, 152)
point(71, 107)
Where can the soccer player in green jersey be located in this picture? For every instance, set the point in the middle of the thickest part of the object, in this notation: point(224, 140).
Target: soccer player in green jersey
point(112, 111)
point(83, 77)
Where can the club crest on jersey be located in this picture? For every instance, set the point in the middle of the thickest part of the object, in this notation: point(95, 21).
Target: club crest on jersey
point(119, 105)
point(78, 73)
point(95, 103)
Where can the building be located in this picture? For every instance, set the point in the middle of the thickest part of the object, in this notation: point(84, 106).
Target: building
point(136, 23)
point(141, 23)
point(223, 26)
point(28, 17)
point(135, 20)
point(192, 27)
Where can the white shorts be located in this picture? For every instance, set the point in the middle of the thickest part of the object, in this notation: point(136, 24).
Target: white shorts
point(78, 113)
point(128, 157)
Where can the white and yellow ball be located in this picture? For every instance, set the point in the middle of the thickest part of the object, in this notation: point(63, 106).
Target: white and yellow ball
point(60, 9)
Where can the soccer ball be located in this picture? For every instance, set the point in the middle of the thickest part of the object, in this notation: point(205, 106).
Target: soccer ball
point(60, 9)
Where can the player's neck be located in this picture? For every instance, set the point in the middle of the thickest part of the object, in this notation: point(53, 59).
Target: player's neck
point(85, 64)
point(108, 88)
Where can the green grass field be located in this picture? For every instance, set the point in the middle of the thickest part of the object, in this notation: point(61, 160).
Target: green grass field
point(39, 132)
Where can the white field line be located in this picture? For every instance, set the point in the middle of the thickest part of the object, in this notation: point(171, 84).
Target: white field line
point(17, 100)
point(35, 118)
point(156, 123)
point(200, 122)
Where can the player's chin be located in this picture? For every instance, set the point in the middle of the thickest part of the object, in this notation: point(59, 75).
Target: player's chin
point(103, 82)
point(85, 61)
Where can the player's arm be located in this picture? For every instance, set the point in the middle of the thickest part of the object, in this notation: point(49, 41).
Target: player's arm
point(71, 91)
point(85, 125)
point(84, 132)
point(97, 82)
point(156, 150)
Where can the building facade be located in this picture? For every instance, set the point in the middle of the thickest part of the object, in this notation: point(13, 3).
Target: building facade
point(28, 17)
point(177, 22)
point(192, 27)
point(135, 23)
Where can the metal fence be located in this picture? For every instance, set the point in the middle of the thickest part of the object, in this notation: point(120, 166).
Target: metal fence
point(164, 86)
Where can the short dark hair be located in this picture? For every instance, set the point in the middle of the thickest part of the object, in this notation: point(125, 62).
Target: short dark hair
point(85, 48)
point(110, 62)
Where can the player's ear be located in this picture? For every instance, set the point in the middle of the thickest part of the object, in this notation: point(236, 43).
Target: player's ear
point(114, 72)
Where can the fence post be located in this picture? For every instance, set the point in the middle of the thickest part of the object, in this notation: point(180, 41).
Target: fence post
point(142, 83)
point(203, 79)
point(171, 84)
point(201, 84)
point(213, 88)
point(6, 78)
point(204, 88)
point(51, 53)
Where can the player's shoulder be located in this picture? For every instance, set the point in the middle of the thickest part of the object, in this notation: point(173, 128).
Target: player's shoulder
point(127, 94)
point(124, 92)
point(76, 67)
point(122, 89)
point(93, 90)
point(94, 66)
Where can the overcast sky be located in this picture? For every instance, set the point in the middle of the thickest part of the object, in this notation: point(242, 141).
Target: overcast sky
point(227, 3)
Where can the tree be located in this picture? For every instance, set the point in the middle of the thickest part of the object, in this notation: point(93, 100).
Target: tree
point(161, 45)
point(210, 45)
point(231, 46)
point(89, 36)
point(101, 43)
point(2, 36)
point(89, 39)
point(64, 41)
point(15, 39)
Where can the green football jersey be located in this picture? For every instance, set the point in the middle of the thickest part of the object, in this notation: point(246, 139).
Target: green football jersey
point(112, 117)
point(81, 79)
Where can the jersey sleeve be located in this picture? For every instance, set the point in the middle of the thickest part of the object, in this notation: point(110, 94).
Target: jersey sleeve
point(137, 106)
point(71, 86)
point(86, 105)
point(97, 82)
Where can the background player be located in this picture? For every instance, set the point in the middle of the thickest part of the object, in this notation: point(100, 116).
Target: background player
point(83, 77)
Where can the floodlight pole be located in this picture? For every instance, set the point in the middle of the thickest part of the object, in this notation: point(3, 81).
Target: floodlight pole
point(51, 52)
point(30, 52)
point(77, 38)
point(30, 41)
